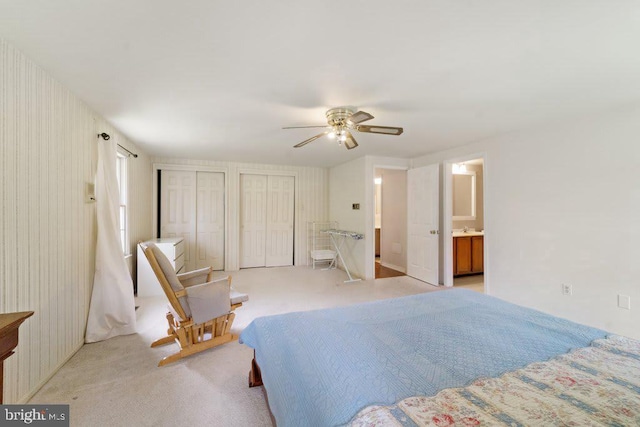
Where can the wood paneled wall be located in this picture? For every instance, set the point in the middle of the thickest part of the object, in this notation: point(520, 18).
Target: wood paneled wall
point(311, 204)
point(48, 149)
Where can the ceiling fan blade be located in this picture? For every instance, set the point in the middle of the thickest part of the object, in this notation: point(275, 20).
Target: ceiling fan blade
point(350, 142)
point(359, 117)
point(304, 127)
point(313, 138)
point(385, 130)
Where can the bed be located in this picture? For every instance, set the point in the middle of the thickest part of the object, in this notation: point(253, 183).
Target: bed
point(364, 363)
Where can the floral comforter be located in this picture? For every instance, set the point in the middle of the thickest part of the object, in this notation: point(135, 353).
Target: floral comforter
point(592, 386)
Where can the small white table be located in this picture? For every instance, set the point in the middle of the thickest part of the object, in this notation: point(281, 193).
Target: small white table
point(337, 238)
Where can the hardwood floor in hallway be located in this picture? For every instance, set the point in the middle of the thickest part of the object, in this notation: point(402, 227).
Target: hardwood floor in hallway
point(383, 272)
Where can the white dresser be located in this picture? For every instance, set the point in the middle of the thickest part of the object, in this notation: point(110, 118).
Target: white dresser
point(173, 248)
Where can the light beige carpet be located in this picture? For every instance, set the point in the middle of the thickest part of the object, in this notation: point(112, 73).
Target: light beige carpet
point(117, 382)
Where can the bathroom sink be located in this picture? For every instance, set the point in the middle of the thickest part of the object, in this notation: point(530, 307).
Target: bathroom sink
point(467, 233)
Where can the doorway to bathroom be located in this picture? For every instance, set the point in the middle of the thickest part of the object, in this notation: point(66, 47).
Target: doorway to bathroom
point(465, 253)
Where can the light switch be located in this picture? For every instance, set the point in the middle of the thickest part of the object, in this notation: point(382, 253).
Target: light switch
point(89, 192)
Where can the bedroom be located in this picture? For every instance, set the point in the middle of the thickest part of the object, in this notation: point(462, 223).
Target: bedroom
point(562, 194)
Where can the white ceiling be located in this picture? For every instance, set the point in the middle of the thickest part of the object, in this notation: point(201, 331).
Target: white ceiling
point(218, 79)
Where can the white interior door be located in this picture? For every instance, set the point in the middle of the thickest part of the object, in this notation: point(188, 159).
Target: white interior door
point(210, 220)
point(279, 236)
point(253, 220)
point(422, 233)
point(177, 210)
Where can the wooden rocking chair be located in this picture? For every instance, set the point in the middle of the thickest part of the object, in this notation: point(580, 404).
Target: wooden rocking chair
point(200, 309)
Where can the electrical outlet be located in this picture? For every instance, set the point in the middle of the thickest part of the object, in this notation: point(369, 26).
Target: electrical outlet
point(624, 301)
point(566, 289)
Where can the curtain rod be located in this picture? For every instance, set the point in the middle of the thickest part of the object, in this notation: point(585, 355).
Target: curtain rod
point(131, 153)
point(106, 137)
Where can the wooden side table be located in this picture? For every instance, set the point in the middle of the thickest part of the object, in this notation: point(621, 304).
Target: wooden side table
point(9, 324)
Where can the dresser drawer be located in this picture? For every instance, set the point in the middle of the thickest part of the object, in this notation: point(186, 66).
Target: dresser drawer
point(179, 264)
point(179, 249)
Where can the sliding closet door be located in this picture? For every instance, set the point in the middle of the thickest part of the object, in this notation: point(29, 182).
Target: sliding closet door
point(210, 220)
point(192, 207)
point(266, 220)
point(178, 210)
point(253, 220)
point(279, 238)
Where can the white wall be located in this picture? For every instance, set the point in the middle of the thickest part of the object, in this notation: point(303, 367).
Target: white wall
point(347, 185)
point(562, 205)
point(48, 149)
point(311, 200)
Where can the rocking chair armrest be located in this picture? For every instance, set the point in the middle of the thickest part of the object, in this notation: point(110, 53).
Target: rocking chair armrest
point(219, 279)
point(195, 277)
point(183, 292)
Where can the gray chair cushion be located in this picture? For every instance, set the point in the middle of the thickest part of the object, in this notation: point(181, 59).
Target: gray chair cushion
point(209, 300)
point(237, 297)
point(170, 274)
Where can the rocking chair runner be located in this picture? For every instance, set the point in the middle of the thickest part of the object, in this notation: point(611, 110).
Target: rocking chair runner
point(200, 309)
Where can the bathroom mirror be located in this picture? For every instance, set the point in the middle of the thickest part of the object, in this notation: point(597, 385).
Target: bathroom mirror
point(464, 196)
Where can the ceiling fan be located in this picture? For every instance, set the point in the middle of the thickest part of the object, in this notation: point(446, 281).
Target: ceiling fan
point(341, 122)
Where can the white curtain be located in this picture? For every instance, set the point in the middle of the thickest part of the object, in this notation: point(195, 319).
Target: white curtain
point(112, 310)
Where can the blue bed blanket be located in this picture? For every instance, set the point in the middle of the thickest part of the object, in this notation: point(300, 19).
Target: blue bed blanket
point(321, 367)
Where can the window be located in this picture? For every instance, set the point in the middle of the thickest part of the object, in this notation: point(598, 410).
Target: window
point(121, 172)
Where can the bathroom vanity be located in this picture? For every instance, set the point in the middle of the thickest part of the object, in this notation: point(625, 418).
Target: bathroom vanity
point(468, 253)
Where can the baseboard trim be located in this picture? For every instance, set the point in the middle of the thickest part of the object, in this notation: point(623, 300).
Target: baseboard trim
point(28, 396)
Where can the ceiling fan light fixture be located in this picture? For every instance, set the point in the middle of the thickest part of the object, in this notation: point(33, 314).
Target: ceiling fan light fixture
point(341, 122)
